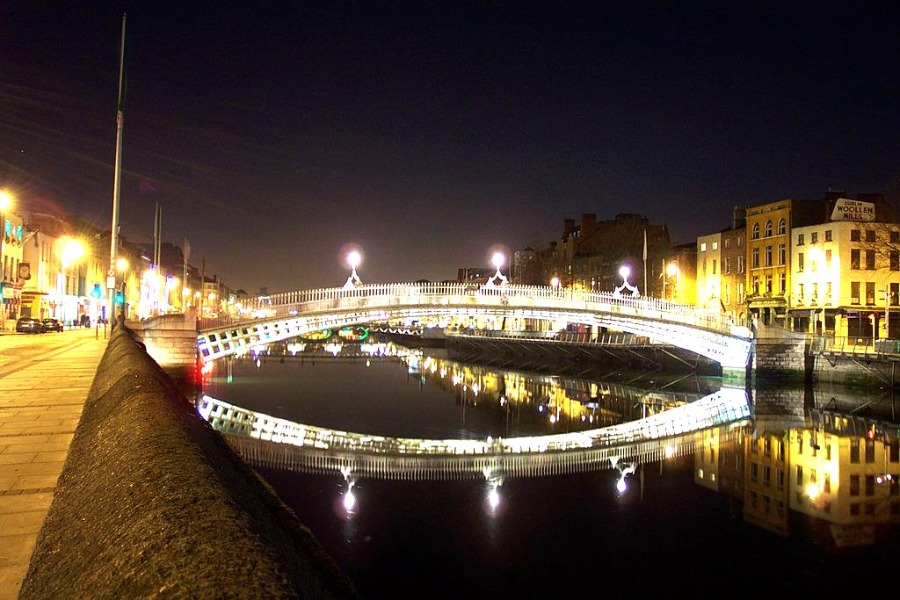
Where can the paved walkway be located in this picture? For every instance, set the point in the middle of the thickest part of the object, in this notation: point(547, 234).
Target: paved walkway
point(44, 382)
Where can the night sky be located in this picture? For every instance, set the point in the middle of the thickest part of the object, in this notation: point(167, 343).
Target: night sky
point(273, 135)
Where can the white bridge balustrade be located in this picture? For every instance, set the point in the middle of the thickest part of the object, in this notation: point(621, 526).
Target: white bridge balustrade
point(286, 315)
point(268, 441)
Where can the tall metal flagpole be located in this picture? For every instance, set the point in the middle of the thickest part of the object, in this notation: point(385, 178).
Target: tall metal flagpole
point(117, 176)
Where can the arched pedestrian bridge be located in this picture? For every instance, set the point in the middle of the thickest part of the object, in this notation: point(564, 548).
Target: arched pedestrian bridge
point(291, 314)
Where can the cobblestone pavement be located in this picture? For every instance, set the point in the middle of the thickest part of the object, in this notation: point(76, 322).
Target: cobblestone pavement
point(44, 381)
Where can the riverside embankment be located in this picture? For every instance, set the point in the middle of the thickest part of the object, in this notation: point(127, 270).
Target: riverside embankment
point(152, 502)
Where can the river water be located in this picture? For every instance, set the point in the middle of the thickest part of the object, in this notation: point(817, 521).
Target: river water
point(794, 499)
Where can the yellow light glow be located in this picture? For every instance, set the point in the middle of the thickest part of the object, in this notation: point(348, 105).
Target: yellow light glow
point(72, 250)
point(6, 200)
point(121, 264)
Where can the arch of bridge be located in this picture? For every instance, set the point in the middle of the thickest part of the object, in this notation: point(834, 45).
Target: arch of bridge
point(292, 314)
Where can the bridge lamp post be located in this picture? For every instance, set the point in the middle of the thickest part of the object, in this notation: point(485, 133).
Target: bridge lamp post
point(498, 279)
point(625, 273)
point(353, 259)
point(554, 283)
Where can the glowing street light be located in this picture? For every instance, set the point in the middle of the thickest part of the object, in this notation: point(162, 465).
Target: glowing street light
point(625, 273)
point(497, 260)
point(353, 260)
point(673, 271)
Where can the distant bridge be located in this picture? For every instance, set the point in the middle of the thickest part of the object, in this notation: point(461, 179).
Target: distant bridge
point(291, 314)
point(268, 441)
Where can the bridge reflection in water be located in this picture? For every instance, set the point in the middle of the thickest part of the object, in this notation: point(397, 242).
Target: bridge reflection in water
point(267, 441)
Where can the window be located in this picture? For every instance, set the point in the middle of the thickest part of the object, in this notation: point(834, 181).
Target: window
point(854, 259)
point(827, 235)
point(782, 283)
point(828, 259)
point(799, 239)
point(754, 259)
point(740, 241)
point(768, 256)
point(870, 235)
point(768, 228)
point(855, 235)
point(755, 232)
point(800, 292)
point(815, 292)
point(854, 299)
point(814, 237)
point(740, 268)
point(715, 245)
point(782, 226)
point(870, 293)
point(895, 294)
point(895, 237)
point(713, 266)
point(768, 284)
point(854, 485)
point(755, 284)
point(702, 246)
point(799, 475)
point(726, 243)
point(895, 260)
point(870, 260)
point(726, 265)
point(800, 263)
point(782, 254)
point(870, 450)
point(828, 292)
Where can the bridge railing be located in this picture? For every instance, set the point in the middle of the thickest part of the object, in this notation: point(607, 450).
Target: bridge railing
point(287, 304)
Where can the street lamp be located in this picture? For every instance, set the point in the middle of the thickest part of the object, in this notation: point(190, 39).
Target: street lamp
point(353, 260)
point(497, 260)
point(672, 270)
point(554, 283)
point(625, 273)
point(72, 251)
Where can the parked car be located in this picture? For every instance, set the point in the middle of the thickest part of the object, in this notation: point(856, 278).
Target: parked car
point(29, 325)
point(51, 325)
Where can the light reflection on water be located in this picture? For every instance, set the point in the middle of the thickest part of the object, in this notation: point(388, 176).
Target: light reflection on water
point(398, 393)
point(782, 505)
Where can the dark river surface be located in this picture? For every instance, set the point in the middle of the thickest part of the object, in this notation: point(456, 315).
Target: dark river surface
point(801, 498)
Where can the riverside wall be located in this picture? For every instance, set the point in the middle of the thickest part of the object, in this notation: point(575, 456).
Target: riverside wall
point(152, 502)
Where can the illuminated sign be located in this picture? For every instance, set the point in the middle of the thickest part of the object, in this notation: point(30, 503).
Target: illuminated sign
point(853, 210)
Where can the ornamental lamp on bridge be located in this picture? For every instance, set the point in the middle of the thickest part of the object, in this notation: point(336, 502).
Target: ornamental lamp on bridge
point(353, 260)
point(498, 279)
point(625, 273)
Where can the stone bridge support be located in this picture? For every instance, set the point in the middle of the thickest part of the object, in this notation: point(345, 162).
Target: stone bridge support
point(170, 340)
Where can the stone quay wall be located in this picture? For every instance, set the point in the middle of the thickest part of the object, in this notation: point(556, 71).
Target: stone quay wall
point(153, 503)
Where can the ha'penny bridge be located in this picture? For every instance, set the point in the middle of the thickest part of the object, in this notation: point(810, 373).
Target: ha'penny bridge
point(294, 314)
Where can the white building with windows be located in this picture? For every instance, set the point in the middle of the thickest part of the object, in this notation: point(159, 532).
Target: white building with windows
point(845, 277)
